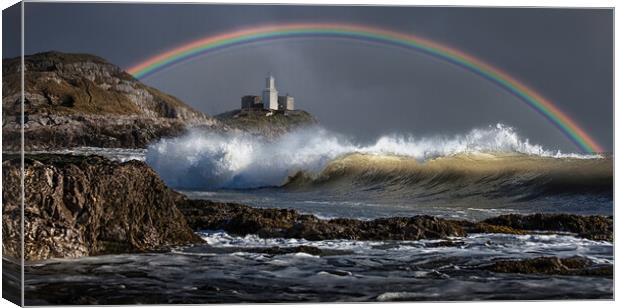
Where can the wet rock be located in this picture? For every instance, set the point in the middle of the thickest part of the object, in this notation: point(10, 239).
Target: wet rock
point(579, 266)
point(239, 219)
point(242, 220)
point(484, 227)
point(88, 205)
point(590, 227)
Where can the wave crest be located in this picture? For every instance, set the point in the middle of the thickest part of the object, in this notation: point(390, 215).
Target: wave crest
point(462, 175)
point(207, 160)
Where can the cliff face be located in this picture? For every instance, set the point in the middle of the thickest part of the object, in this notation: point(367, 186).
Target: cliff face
point(87, 205)
point(82, 100)
point(259, 123)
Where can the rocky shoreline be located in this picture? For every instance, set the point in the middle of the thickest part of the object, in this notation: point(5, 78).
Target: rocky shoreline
point(88, 205)
point(242, 220)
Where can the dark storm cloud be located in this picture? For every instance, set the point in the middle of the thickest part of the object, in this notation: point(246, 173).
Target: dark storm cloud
point(357, 88)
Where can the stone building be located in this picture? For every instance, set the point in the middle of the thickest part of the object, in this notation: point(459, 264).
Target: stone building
point(286, 102)
point(270, 100)
point(251, 102)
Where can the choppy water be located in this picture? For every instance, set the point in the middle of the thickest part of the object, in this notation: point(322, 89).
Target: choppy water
point(220, 272)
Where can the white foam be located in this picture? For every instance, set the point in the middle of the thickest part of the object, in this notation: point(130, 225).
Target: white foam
point(391, 296)
point(304, 255)
point(223, 239)
point(207, 160)
point(482, 246)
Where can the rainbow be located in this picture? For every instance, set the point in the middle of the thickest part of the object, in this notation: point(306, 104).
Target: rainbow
point(375, 35)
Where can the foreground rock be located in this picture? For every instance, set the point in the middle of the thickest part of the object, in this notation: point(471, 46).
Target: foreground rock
point(82, 100)
point(578, 266)
point(87, 205)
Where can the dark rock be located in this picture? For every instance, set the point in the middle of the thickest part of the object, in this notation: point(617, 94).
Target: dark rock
point(484, 227)
point(591, 227)
point(242, 220)
point(578, 266)
point(88, 205)
point(239, 219)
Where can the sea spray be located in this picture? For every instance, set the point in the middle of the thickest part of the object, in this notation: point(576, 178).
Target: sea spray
point(241, 160)
point(208, 160)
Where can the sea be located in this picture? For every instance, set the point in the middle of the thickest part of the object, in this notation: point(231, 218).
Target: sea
point(482, 173)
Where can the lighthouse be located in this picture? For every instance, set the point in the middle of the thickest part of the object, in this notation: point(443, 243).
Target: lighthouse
point(270, 94)
point(270, 100)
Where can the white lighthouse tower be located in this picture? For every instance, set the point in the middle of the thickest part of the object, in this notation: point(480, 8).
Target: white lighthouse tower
point(270, 94)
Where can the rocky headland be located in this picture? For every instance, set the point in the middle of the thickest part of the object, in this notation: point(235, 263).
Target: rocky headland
point(74, 100)
point(88, 205)
point(83, 100)
point(264, 123)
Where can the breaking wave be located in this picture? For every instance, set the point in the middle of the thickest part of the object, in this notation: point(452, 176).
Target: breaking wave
point(521, 177)
point(207, 160)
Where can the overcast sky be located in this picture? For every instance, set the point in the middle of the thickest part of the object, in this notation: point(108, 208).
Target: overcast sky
point(357, 88)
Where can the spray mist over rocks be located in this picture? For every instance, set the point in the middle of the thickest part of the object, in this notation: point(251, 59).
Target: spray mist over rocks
point(208, 160)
